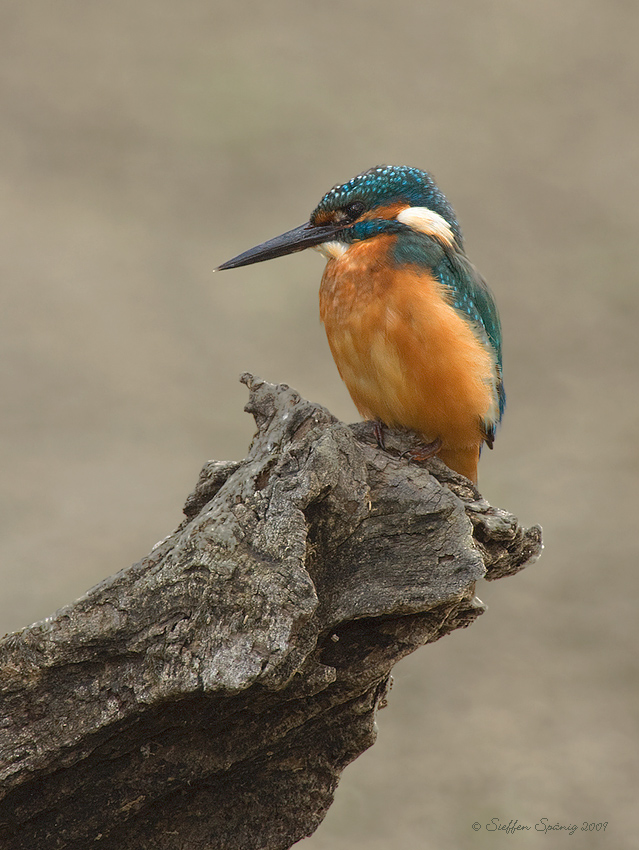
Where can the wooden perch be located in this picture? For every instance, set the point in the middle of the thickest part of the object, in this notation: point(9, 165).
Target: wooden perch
point(210, 695)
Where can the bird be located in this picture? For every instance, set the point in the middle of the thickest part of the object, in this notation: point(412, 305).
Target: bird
point(412, 326)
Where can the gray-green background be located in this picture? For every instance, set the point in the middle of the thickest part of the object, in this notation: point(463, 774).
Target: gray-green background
point(142, 144)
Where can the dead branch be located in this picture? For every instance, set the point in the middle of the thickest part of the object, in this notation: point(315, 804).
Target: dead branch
point(211, 695)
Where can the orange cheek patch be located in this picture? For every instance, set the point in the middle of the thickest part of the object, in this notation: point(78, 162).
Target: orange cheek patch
point(322, 218)
point(388, 212)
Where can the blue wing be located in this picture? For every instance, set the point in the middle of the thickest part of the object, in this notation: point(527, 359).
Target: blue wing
point(469, 293)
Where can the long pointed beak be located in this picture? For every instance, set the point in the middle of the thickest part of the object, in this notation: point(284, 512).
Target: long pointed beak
point(304, 236)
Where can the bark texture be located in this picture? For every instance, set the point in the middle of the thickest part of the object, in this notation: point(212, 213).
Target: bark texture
point(210, 695)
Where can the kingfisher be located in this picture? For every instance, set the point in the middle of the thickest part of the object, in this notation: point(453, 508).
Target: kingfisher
point(412, 326)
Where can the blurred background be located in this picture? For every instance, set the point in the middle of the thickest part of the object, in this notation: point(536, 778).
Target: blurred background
point(144, 143)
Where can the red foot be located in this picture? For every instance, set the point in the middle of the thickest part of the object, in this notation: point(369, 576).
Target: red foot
point(378, 430)
point(423, 452)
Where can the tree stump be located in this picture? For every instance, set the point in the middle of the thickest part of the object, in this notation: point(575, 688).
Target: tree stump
point(211, 694)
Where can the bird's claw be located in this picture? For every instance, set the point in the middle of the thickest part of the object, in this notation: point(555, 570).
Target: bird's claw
point(378, 430)
point(424, 451)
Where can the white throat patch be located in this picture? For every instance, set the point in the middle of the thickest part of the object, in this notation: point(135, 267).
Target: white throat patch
point(332, 250)
point(426, 221)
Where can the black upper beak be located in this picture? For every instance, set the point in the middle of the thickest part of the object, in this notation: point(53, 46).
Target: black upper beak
point(304, 236)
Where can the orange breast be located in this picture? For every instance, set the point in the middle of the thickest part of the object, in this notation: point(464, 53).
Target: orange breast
point(406, 356)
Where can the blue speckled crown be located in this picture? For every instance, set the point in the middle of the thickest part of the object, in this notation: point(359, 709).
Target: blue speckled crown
point(387, 184)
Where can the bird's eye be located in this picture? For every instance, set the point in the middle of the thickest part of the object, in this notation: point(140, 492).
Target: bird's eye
point(354, 210)
point(349, 212)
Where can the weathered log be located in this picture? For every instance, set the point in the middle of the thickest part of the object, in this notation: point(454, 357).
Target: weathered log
point(211, 695)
